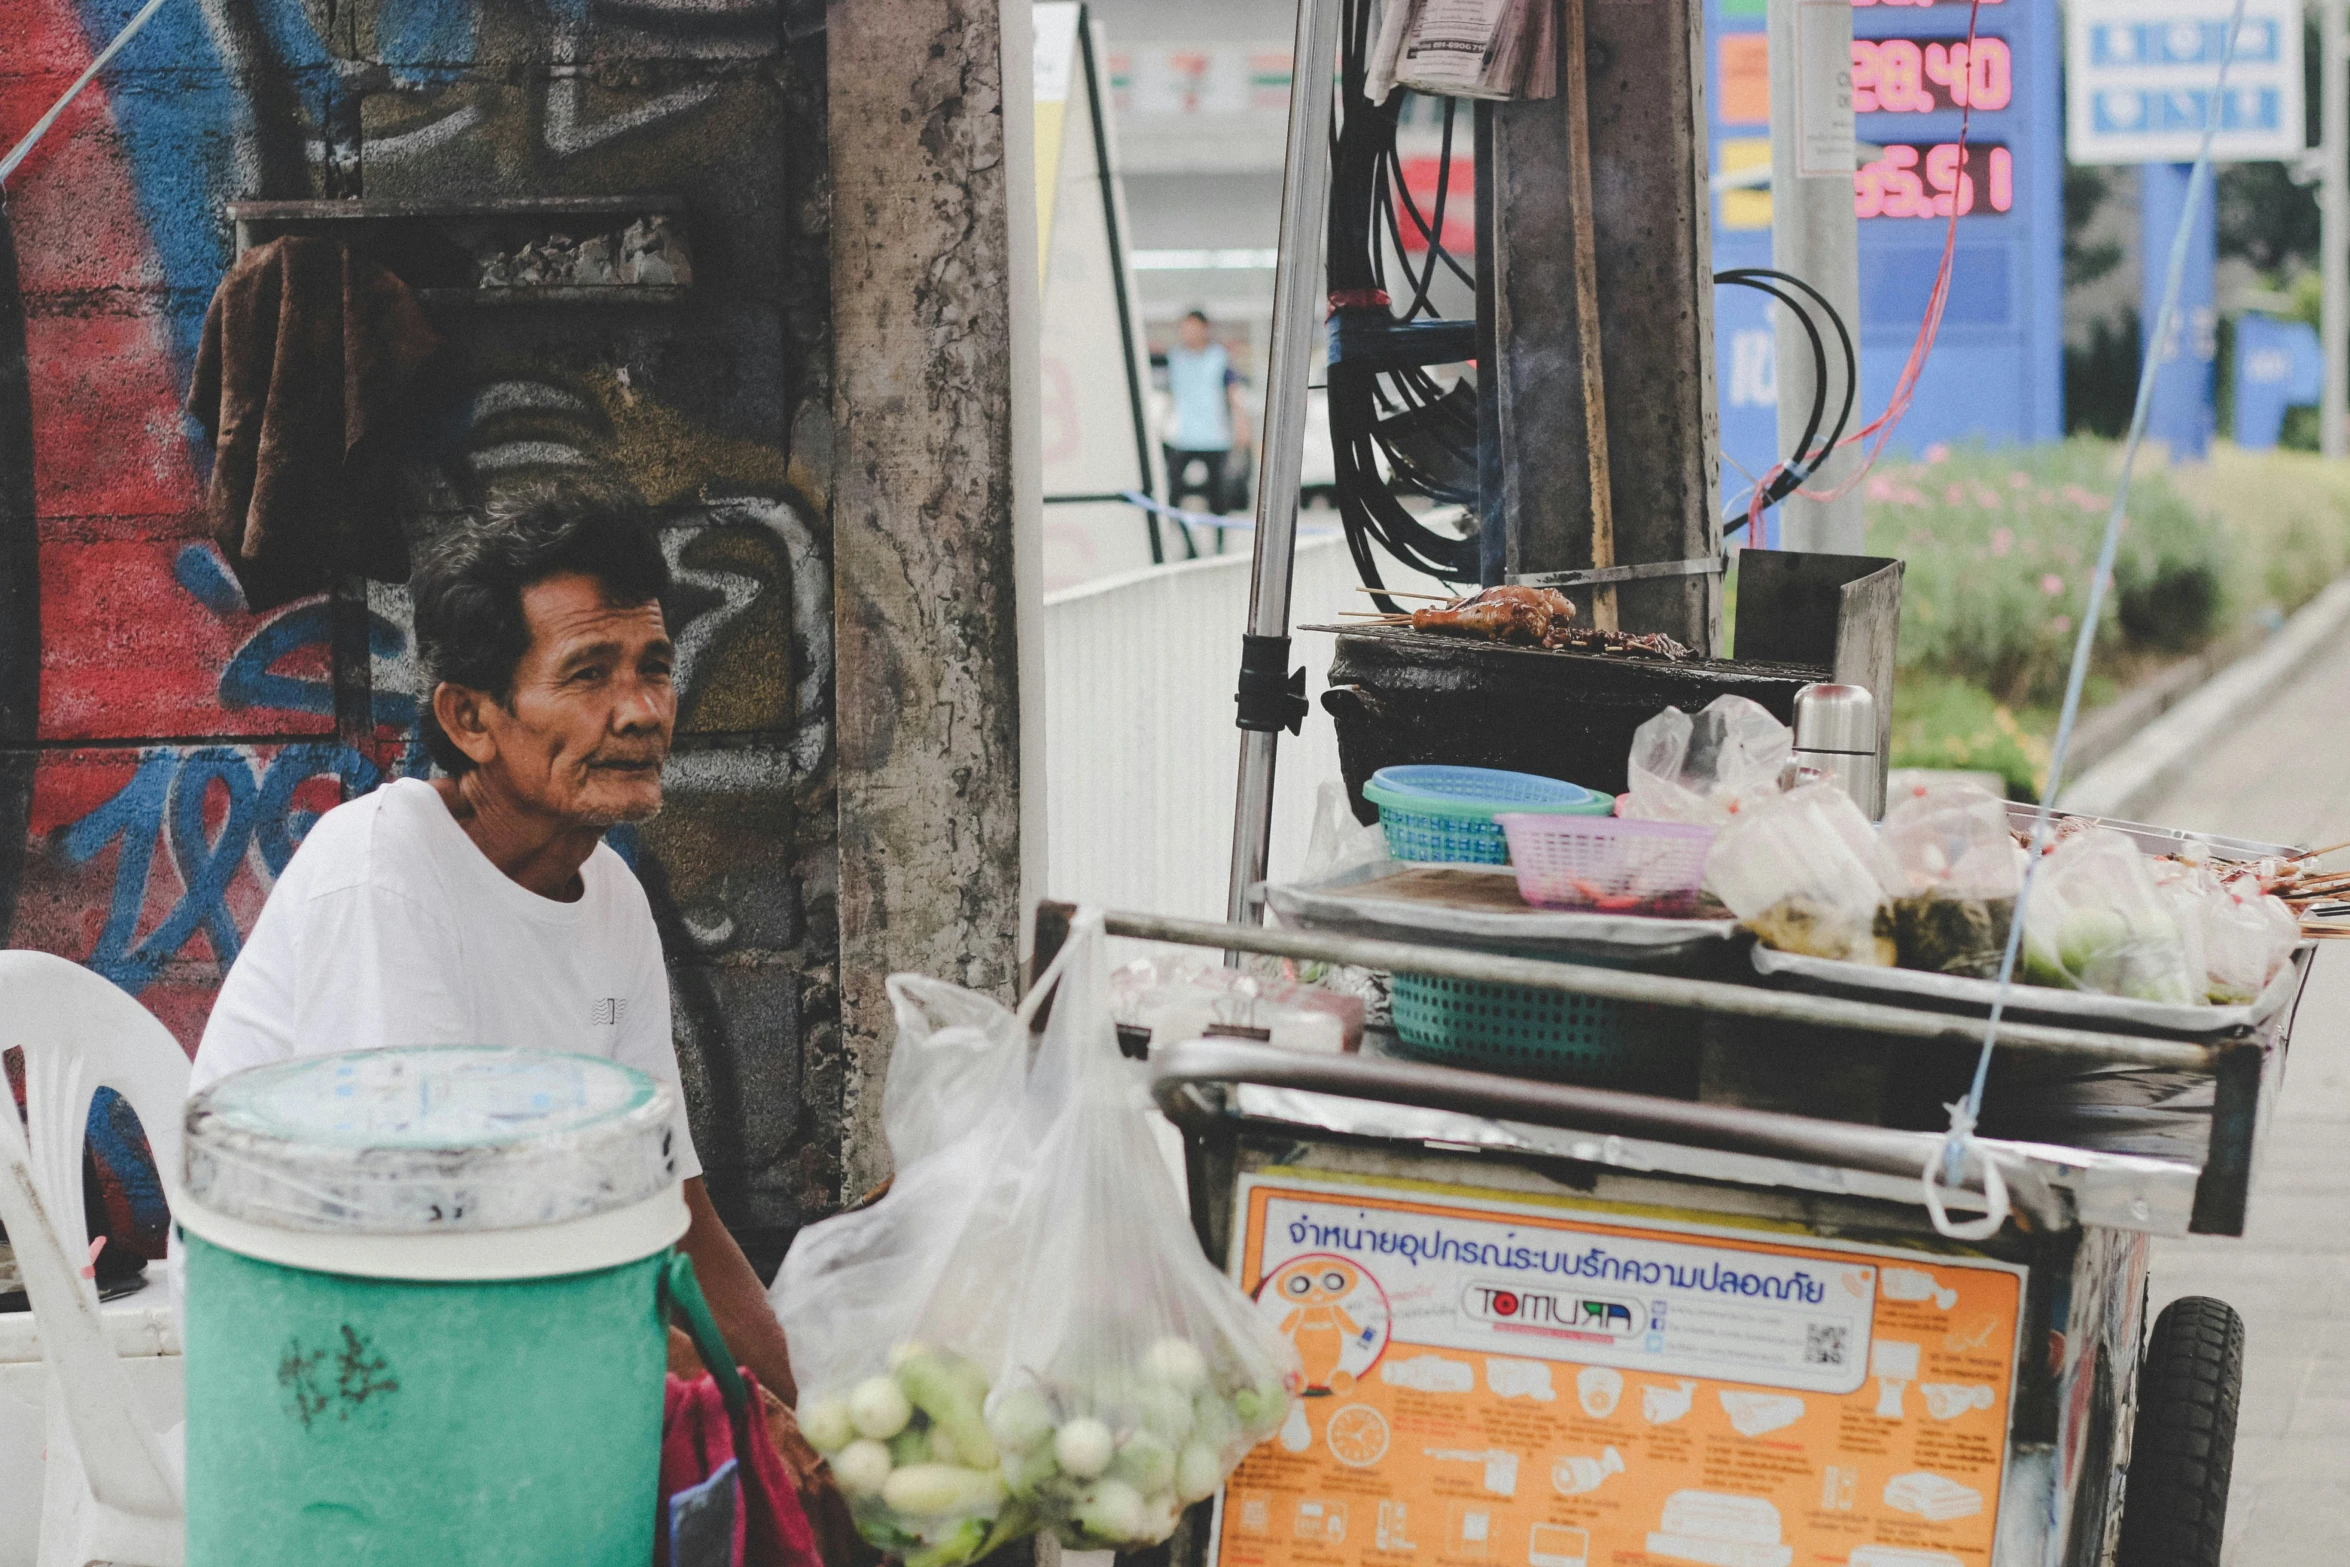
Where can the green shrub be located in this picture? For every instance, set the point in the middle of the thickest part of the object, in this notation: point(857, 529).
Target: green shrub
point(2000, 545)
point(1941, 722)
point(2283, 517)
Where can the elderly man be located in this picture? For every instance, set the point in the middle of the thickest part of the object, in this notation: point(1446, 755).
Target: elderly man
point(484, 907)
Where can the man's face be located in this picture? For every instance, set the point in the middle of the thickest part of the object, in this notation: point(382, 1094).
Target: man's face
point(588, 725)
point(1194, 333)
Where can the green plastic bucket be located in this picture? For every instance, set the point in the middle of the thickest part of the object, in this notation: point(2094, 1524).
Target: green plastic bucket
point(425, 1315)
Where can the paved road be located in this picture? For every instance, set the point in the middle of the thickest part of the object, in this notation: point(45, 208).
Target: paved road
point(2286, 777)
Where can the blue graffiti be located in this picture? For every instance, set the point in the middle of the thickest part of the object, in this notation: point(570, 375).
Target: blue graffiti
point(166, 800)
point(199, 569)
point(119, 1142)
point(169, 799)
point(250, 678)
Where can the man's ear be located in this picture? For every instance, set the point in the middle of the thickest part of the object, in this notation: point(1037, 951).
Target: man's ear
point(461, 713)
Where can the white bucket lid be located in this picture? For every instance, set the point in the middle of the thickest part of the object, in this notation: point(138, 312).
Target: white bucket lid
point(463, 1161)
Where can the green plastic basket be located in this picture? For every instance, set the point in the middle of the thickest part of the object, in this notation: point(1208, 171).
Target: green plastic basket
point(1521, 1032)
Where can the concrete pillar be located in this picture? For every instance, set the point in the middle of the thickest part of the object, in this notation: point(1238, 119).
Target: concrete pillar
point(2183, 413)
point(1815, 235)
point(923, 508)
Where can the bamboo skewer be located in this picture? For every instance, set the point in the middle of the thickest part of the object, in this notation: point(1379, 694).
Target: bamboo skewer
point(1398, 593)
point(1603, 510)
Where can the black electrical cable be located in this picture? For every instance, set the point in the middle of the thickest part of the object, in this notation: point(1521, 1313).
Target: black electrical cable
point(1812, 461)
point(1806, 460)
point(1370, 409)
point(1791, 469)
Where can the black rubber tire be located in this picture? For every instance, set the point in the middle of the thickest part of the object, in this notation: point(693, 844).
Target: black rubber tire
point(2183, 1448)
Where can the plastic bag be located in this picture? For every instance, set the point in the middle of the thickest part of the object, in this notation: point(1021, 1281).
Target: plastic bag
point(2245, 935)
point(1702, 769)
point(1337, 842)
point(1957, 872)
point(1024, 1334)
point(862, 1297)
point(955, 1049)
point(1804, 872)
point(2098, 922)
point(1187, 994)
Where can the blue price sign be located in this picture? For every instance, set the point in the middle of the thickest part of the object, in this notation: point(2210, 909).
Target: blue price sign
point(1997, 368)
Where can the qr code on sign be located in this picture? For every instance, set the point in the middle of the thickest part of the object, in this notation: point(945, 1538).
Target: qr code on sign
point(1823, 1344)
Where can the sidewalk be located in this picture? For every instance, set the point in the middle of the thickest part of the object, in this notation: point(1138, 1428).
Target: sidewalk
point(2285, 776)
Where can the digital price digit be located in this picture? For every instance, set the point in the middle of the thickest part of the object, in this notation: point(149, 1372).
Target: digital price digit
point(1913, 76)
point(1914, 181)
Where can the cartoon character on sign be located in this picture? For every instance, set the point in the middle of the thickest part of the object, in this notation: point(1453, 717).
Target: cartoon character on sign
point(1315, 1291)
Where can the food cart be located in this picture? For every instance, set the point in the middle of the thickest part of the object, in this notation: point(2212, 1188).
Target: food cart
point(1559, 1325)
point(1721, 1310)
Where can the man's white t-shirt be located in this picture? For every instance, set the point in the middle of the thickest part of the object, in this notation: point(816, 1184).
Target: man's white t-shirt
point(389, 927)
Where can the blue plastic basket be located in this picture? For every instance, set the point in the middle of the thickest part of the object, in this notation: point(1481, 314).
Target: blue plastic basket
point(1447, 813)
point(1522, 1032)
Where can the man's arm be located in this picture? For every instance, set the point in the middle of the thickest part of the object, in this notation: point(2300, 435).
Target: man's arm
point(737, 1299)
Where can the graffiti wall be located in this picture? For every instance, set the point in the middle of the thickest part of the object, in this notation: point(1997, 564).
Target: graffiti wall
point(163, 750)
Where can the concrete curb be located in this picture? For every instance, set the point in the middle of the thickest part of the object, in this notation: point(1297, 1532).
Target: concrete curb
point(2130, 779)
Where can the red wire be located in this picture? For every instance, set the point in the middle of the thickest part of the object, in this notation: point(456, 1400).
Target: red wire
point(1905, 385)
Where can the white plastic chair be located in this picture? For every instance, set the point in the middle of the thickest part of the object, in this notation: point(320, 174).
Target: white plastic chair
point(114, 1490)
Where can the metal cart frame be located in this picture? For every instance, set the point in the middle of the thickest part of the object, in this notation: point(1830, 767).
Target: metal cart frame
point(2080, 1226)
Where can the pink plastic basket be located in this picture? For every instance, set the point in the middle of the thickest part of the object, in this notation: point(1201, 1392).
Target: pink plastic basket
point(1607, 864)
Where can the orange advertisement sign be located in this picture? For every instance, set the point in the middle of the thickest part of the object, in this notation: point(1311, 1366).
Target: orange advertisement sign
point(1494, 1382)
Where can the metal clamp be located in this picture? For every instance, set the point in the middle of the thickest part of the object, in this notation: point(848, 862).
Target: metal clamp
point(1271, 696)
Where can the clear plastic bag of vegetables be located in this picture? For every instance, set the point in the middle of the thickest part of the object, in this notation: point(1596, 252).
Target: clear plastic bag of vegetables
point(892, 1380)
point(2098, 922)
point(1023, 1334)
point(1957, 871)
point(1803, 871)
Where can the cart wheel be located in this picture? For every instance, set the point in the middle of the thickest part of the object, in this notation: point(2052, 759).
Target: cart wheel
point(2184, 1445)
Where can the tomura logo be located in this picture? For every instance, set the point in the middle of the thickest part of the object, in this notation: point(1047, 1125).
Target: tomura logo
point(1560, 1313)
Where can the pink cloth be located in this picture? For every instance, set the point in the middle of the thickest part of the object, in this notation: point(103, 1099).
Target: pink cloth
point(697, 1435)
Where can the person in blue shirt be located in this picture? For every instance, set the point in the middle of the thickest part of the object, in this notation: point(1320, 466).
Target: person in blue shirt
point(1209, 429)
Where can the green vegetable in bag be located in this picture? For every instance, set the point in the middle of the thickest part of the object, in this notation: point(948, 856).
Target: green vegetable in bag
point(2098, 923)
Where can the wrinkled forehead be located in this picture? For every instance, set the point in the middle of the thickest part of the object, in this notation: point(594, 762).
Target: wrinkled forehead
point(570, 611)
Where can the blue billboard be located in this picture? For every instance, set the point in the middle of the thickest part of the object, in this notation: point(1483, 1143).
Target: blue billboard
point(1997, 368)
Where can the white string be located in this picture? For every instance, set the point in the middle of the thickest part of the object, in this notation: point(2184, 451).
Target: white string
point(1959, 1141)
point(32, 138)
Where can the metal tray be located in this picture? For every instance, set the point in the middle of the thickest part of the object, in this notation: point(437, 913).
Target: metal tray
point(1349, 904)
point(2042, 1003)
point(2157, 840)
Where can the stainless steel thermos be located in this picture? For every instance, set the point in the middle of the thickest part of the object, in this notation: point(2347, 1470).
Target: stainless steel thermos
point(1836, 732)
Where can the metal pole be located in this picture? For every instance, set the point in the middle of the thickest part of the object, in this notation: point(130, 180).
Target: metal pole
point(2334, 227)
point(1815, 235)
point(1297, 308)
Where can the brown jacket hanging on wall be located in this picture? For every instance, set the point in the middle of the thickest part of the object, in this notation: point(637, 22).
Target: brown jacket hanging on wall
point(308, 353)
